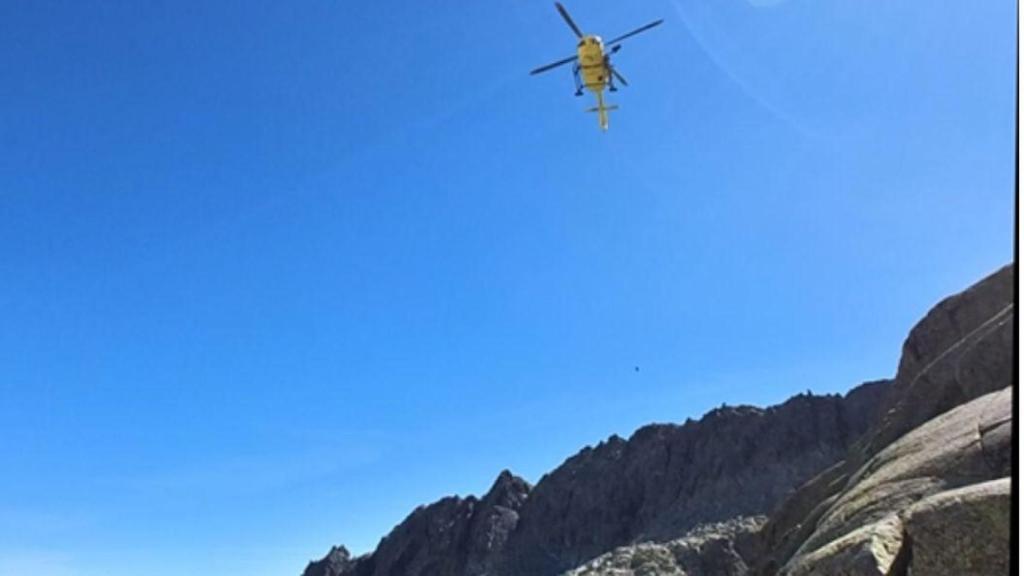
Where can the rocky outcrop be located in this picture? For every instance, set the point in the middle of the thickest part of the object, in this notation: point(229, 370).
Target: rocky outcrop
point(870, 550)
point(337, 562)
point(451, 536)
point(963, 531)
point(865, 525)
point(708, 550)
point(961, 350)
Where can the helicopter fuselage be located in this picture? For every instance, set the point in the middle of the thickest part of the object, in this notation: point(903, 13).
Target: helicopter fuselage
point(593, 68)
point(595, 74)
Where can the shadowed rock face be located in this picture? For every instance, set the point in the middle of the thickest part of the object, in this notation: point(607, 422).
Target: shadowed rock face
point(664, 480)
point(667, 479)
point(451, 536)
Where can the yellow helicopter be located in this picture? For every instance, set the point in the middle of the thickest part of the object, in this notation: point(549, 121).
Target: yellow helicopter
point(594, 62)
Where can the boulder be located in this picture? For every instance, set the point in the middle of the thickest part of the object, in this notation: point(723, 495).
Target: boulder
point(871, 550)
point(962, 531)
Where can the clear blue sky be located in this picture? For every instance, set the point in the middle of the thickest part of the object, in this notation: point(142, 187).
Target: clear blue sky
point(273, 273)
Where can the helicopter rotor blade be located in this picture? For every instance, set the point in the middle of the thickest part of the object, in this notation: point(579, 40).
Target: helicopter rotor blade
point(618, 76)
point(634, 32)
point(547, 67)
point(568, 19)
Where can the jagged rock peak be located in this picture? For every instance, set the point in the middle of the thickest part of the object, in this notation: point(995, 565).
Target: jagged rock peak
point(454, 535)
point(337, 562)
point(508, 484)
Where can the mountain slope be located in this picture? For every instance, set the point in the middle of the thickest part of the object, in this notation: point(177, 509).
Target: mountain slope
point(846, 483)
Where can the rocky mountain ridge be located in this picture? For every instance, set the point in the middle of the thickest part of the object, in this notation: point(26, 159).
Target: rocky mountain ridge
point(815, 485)
point(740, 461)
point(666, 479)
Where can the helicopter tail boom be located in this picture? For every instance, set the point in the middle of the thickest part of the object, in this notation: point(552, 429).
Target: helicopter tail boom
point(602, 110)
